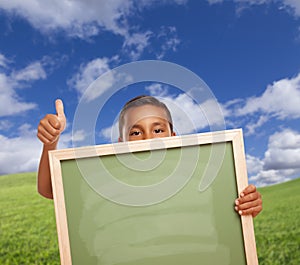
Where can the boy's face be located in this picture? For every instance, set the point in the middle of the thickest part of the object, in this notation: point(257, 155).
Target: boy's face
point(145, 122)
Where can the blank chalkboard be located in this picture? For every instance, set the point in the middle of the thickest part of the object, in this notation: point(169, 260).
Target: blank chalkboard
point(163, 201)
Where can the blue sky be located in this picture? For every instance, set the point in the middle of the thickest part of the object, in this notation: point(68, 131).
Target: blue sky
point(246, 51)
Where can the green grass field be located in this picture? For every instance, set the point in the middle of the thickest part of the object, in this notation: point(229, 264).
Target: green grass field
point(28, 231)
point(27, 228)
point(277, 228)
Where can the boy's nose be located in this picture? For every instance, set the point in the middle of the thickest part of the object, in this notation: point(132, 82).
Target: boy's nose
point(148, 135)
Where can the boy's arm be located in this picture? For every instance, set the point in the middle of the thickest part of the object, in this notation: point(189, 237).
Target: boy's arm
point(49, 130)
point(44, 178)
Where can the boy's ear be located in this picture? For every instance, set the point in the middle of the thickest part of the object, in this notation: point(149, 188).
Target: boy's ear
point(173, 134)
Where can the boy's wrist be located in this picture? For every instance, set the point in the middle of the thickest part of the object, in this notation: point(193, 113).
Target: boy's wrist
point(51, 146)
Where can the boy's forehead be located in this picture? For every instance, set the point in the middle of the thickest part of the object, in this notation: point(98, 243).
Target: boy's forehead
point(135, 114)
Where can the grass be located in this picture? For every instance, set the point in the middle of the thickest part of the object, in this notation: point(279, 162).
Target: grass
point(27, 224)
point(28, 231)
point(277, 228)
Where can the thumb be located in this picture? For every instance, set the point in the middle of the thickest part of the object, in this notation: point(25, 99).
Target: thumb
point(59, 106)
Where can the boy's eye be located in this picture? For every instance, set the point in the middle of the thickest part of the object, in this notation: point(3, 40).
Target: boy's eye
point(158, 131)
point(135, 133)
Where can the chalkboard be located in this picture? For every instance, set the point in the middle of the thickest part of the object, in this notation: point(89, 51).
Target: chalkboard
point(162, 201)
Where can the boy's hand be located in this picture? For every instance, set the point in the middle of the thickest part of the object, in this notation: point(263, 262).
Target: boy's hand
point(249, 202)
point(52, 125)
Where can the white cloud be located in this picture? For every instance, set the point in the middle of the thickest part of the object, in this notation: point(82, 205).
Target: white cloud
point(283, 150)
point(11, 80)
point(80, 18)
point(251, 127)
point(3, 61)
point(292, 6)
point(135, 44)
point(5, 125)
point(269, 177)
point(169, 39)
point(72, 139)
point(87, 74)
point(87, 18)
point(254, 164)
point(10, 103)
point(281, 161)
point(20, 153)
point(111, 133)
point(79, 136)
point(188, 116)
point(96, 77)
point(34, 71)
point(280, 100)
point(157, 89)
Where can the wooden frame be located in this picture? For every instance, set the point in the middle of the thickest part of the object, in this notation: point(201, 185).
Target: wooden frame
point(234, 137)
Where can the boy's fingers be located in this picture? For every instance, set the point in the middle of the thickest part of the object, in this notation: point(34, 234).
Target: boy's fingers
point(45, 140)
point(249, 189)
point(254, 211)
point(49, 123)
point(250, 204)
point(59, 106)
point(49, 133)
point(48, 129)
point(247, 198)
point(54, 123)
point(46, 137)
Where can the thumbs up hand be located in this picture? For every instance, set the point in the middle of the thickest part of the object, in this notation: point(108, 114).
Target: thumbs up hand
point(52, 125)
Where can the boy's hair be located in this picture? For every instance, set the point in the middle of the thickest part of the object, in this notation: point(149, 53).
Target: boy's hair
point(141, 101)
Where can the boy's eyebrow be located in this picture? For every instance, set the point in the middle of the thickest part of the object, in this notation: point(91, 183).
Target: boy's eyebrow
point(134, 126)
point(159, 123)
point(140, 127)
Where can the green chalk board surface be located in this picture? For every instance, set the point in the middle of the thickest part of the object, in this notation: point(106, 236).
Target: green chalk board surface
point(192, 226)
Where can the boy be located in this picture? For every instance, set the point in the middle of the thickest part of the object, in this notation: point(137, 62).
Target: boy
point(143, 117)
